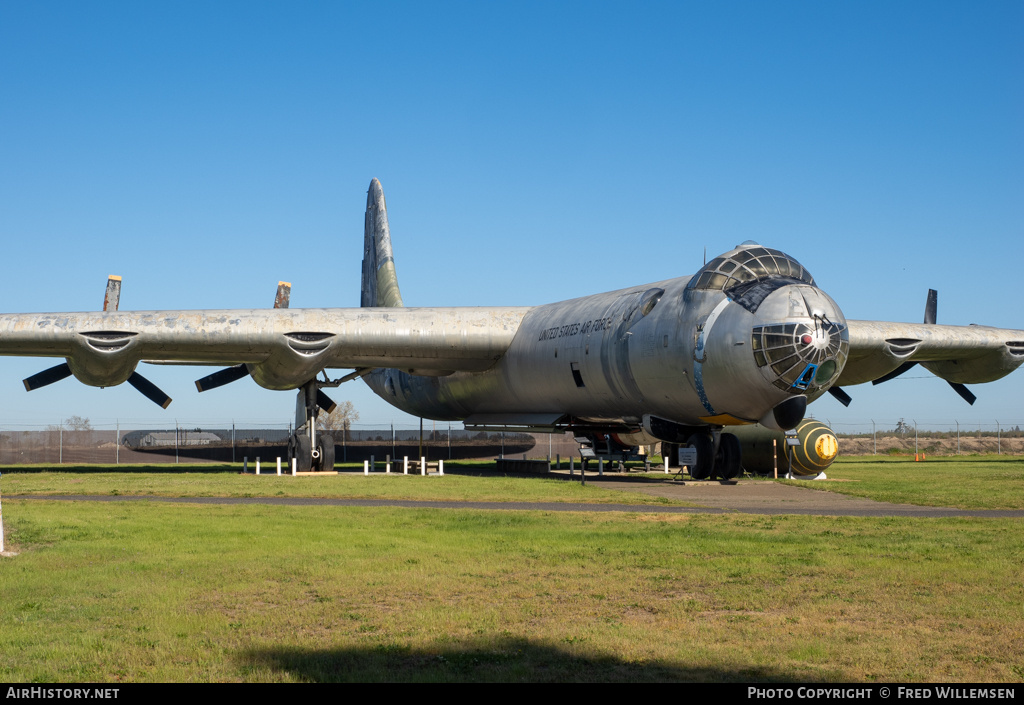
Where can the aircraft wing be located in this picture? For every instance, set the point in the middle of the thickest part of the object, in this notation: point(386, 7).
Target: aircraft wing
point(282, 348)
point(879, 350)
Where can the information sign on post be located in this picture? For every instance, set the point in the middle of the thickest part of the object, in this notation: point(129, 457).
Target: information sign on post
point(687, 457)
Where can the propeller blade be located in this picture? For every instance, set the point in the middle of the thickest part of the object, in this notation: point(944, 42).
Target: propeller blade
point(112, 298)
point(284, 295)
point(41, 379)
point(964, 392)
point(931, 306)
point(895, 373)
point(324, 401)
point(149, 390)
point(841, 396)
point(222, 377)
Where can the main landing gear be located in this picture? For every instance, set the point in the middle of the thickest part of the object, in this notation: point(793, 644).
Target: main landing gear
point(718, 455)
point(312, 450)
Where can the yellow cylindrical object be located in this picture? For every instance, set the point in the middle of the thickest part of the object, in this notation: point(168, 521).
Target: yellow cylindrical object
point(816, 450)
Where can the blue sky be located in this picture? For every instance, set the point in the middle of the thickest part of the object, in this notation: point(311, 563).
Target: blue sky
point(530, 152)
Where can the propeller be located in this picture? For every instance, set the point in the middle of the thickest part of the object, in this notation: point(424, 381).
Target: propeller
point(964, 392)
point(41, 379)
point(111, 300)
point(324, 401)
point(63, 371)
point(222, 377)
point(840, 395)
point(149, 390)
point(930, 317)
point(895, 373)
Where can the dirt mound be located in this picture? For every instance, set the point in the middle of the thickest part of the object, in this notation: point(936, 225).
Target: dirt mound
point(904, 445)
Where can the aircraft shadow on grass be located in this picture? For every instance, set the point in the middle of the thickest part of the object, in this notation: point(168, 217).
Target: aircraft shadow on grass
point(501, 660)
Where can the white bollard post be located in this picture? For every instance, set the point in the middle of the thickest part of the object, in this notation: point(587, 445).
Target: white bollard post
point(279, 466)
point(245, 465)
point(295, 467)
point(572, 465)
point(666, 464)
point(405, 464)
point(366, 467)
point(423, 465)
point(600, 467)
point(440, 467)
point(257, 465)
point(387, 468)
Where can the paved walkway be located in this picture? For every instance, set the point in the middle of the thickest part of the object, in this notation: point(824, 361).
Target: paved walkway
point(761, 497)
point(750, 497)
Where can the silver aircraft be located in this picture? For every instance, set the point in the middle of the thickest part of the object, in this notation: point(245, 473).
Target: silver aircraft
point(750, 338)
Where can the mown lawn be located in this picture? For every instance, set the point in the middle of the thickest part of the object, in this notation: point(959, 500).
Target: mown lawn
point(173, 592)
point(967, 482)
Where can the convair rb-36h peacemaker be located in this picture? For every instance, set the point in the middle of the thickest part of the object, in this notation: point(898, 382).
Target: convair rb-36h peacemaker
point(749, 338)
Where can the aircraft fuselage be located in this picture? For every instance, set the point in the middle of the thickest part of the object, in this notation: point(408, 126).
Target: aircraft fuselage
point(664, 349)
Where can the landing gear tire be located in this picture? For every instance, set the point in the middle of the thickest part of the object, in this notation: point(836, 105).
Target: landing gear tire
point(705, 448)
point(303, 453)
point(728, 459)
point(326, 453)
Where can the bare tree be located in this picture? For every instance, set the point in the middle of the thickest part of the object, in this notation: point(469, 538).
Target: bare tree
point(341, 419)
point(72, 423)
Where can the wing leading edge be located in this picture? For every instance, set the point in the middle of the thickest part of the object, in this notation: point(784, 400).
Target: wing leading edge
point(957, 354)
point(283, 348)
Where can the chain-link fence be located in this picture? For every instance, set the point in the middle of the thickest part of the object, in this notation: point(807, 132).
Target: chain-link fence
point(222, 444)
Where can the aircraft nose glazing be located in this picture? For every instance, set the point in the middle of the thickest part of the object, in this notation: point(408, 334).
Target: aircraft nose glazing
point(800, 356)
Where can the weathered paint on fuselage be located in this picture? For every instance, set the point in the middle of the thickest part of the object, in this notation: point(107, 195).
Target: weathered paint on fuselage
point(600, 358)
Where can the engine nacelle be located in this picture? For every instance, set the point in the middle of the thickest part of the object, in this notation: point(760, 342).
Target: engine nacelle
point(987, 368)
point(103, 358)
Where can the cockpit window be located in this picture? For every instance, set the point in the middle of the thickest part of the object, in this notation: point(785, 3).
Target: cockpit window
point(748, 264)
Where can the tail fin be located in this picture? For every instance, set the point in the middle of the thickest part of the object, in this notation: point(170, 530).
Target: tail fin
point(380, 281)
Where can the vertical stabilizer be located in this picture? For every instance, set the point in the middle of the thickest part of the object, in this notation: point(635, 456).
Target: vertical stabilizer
point(380, 281)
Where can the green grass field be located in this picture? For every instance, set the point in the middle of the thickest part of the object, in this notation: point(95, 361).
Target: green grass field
point(967, 482)
point(175, 592)
point(225, 481)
